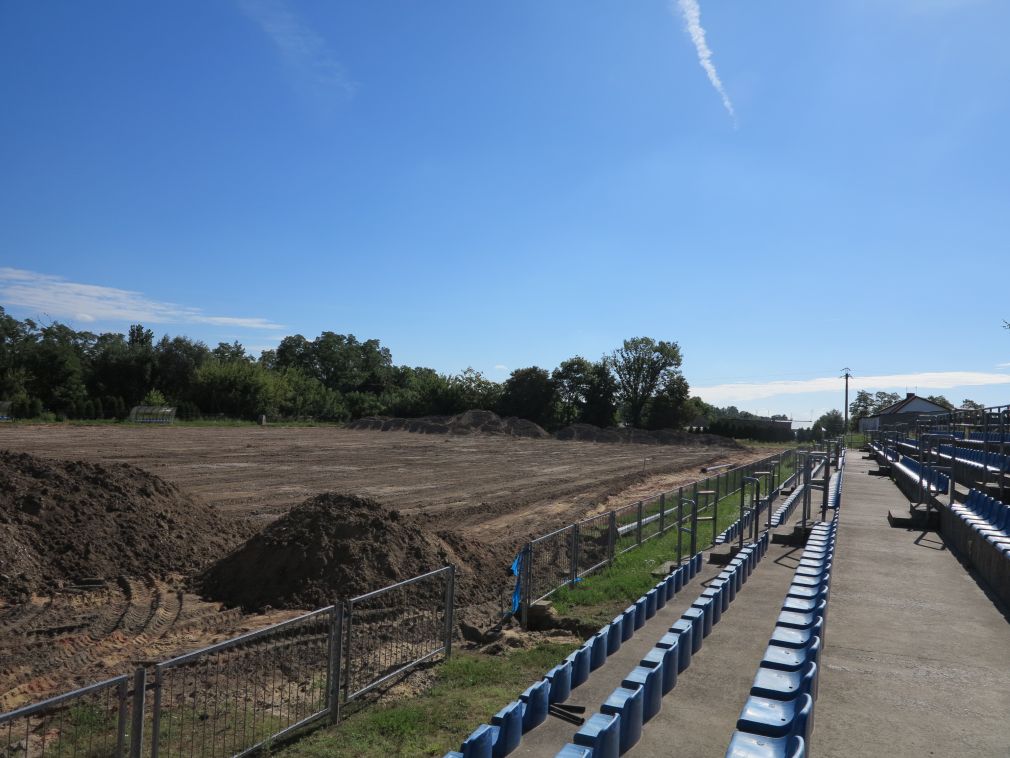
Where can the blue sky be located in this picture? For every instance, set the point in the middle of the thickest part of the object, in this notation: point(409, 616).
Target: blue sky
point(500, 185)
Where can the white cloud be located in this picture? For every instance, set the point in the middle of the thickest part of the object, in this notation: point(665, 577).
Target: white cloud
point(1003, 365)
point(301, 48)
point(691, 12)
point(723, 394)
point(87, 303)
point(500, 367)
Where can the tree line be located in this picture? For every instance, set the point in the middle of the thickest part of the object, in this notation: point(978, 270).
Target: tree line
point(58, 371)
point(868, 404)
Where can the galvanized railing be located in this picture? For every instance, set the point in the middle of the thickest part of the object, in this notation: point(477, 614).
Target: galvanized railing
point(564, 556)
point(239, 696)
point(91, 722)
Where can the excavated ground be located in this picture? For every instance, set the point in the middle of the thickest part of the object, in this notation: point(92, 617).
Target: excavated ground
point(469, 498)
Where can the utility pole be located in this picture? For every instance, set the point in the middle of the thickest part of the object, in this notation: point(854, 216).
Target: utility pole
point(847, 375)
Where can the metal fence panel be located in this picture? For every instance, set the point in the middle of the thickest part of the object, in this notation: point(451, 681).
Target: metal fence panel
point(393, 629)
point(232, 698)
point(91, 722)
point(595, 544)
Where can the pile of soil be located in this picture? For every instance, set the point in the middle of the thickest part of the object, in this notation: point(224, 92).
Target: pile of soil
point(470, 422)
point(64, 522)
point(590, 433)
point(330, 546)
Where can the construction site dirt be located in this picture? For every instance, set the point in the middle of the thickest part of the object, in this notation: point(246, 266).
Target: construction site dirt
point(472, 498)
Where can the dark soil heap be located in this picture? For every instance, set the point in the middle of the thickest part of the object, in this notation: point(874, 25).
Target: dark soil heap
point(470, 422)
point(590, 433)
point(65, 521)
point(331, 546)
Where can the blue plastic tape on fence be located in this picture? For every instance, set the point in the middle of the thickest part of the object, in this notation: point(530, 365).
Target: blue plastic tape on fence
point(517, 572)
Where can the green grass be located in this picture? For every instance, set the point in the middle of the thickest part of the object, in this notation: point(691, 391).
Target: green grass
point(468, 690)
point(599, 597)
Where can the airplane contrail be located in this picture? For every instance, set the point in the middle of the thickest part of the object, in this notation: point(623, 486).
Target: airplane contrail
point(691, 12)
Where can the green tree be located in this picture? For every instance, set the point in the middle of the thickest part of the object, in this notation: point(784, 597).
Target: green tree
point(529, 393)
point(941, 400)
point(176, 363)
point(643, 366)
point(669, 409)
point(831, 423)
point(971, 405)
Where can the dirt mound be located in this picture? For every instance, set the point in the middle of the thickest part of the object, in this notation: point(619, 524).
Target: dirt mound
point(469, 422)
point(331, 546)
point(590, 433)
point(64, 521)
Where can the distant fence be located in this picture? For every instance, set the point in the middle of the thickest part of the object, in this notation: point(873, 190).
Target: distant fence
point(564, 556)
point(237, 697)
point(152, 414)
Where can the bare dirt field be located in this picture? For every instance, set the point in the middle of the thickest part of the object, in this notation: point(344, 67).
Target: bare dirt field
point(482, 495)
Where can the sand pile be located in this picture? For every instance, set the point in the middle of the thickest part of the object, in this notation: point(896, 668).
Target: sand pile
point(330, 546)
point(65, 521)
point(470, 422)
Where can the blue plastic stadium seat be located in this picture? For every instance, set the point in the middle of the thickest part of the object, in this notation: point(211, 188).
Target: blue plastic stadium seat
point(684, 630)
point(791, 658)
point(480, 743)
point(791, 637)
point(580, 664)
point(661, 591)
point(717, 596)
point(777, 718)
point(651, 682)
point(776, 684)
point(796, 620)
point(509, 722)
point(707, 606)
point(601, 734)
point(651, 603)
point(598, 648)
point(615, 635)
point(696, 617)
point(630, 623)
point(628, 704)
point(574, 751)
point(664, 659)
point(744, 745)
point(678, 579)
point(535, 699)
point(560, 678)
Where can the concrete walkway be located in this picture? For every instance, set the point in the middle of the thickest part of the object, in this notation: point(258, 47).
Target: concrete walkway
point(917, 660)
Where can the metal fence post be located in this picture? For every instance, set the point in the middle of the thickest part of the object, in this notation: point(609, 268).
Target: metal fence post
point(694, 523)
point(662, 512)
point(524, 587)
point(137, 725)
point(156, 715)
point(638, 527)
point(122, 693)
point(574, 574)
point(450, 605)
point(336, 659)
point(680, 524)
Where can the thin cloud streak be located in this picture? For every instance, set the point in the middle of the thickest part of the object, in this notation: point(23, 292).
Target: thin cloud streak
point(721, 394)
point(87, 303)
point(301, 48)
point(691, 12)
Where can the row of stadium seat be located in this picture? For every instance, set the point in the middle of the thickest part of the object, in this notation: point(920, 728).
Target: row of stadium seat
point(504, 733)
point(777, 718)
point(934, 482)
point(988, 518)
point(617, 727)
point(967, 456)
